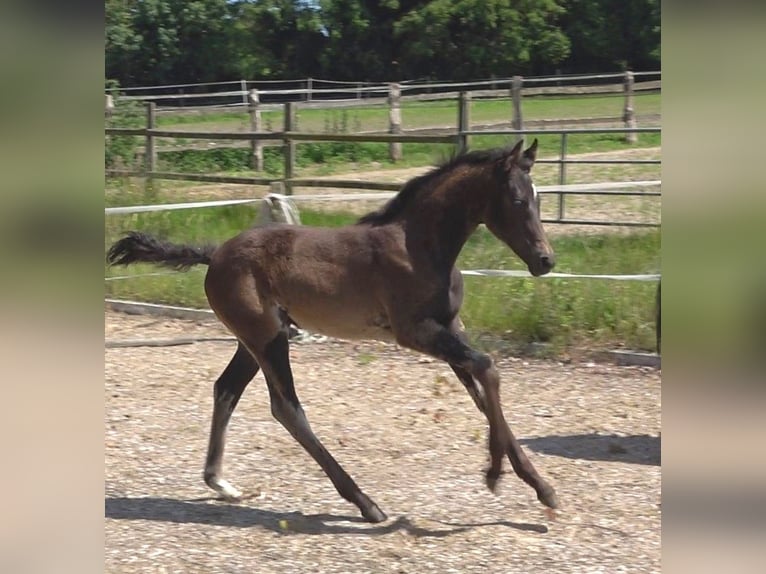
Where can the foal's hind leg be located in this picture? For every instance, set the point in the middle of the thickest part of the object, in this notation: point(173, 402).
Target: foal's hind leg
point(286, 408)
point(227, 392)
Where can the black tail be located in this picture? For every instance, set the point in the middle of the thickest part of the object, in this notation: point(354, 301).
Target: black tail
point(138, 247)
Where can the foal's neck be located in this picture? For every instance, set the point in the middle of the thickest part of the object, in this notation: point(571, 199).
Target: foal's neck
point(444, 217)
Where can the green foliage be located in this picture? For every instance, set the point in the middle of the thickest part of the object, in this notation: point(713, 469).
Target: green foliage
point(219, 160)
point(566, 312)
point(206, 160)
point(120, 151)
point(612, 34)
point(466, 39)
point(276, 38)
point(335, 153)
point(181, 41)
point(169, 41)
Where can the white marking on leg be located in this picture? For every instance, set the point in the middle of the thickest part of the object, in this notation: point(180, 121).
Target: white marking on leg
point(225, 489)
point(221, 415)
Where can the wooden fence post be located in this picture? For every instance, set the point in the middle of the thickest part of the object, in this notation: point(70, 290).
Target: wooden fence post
point(150, 152)
point(628, 116)
point(277, 187)
point(243, 89)
point(562, 173)
point(463, 121)
point(289, 148)
point(394, 120)
point(256, 147)
point(516, 84)
point(109, 107)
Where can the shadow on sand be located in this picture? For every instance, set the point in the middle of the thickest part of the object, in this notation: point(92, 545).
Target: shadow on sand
point(634, 449)
point(210, 511)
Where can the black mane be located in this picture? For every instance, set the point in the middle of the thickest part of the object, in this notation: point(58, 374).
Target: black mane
point(405, 196)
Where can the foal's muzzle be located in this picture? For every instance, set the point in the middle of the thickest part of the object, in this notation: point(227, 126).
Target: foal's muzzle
point(543, 263)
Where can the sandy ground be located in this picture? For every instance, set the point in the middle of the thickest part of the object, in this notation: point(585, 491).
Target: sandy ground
point(407, 432)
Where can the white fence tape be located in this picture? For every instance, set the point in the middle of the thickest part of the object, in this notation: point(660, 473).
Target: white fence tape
point(519, 273)
point(474, 273)
point(171, 206)
point(158, 274)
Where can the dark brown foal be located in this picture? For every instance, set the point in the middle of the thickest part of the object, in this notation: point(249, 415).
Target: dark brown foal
point(390, 277)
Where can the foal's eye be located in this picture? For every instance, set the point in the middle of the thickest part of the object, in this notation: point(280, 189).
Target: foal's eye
point(518, 202)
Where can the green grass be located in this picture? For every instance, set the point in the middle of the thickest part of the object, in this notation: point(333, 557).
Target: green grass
point(568, 313)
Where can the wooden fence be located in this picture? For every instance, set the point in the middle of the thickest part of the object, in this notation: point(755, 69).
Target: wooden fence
point(289, 137)
point(288, 181)
point(396, 96)
point(310, 92)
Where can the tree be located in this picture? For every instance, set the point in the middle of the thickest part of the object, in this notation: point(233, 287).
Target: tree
point(277, 38)
point(122, 42)
point(467, 39)
point(168, 41)
point(612, 34)
point(150, 46)
point(187, 41)
point(204, 40)
point(361, 44)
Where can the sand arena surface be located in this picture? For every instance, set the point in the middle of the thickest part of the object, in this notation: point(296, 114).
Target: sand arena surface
point(405, 429)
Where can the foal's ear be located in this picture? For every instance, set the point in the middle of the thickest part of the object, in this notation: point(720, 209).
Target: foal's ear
point(513, 155)
point(531, 152)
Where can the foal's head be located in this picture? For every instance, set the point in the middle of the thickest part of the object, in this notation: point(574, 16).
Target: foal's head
point(512, 212)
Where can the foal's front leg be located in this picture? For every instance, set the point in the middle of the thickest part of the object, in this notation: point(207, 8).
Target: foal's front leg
point(521, 464)
point(449, 345)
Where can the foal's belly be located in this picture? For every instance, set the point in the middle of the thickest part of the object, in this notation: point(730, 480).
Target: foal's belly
point(344, 324)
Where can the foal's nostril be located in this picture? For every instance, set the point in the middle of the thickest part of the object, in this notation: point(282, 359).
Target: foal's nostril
point(548, 261)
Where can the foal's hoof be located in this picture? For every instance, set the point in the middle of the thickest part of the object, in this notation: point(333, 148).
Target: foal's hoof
point(225, 489)
point(548, 496)
point(374, 514)
point(491, 478)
